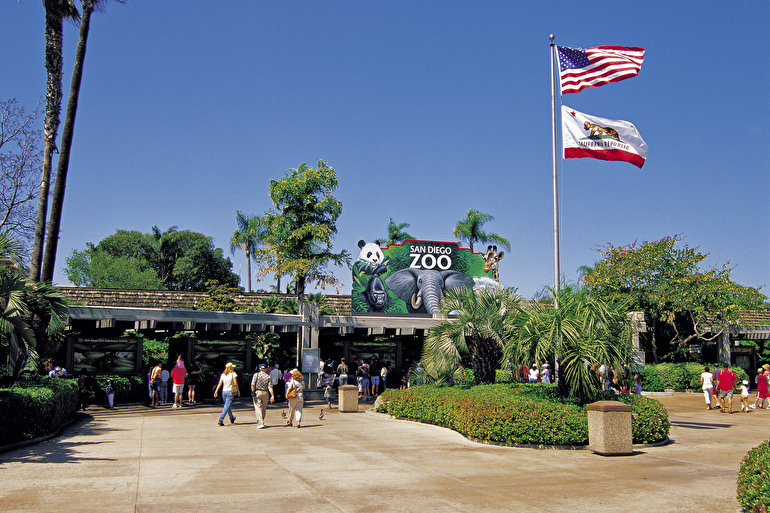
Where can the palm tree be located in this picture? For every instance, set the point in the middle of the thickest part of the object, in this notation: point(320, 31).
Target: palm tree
point(582, 331)
point(20, 300)
point(57, 199)
point(476, 327)
point(166, 247)
point(246, 237)
point(396, 233)
point(56, 11)
point(470, 229)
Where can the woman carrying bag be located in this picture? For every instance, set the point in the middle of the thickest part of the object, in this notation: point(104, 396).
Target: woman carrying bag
point(294, 394)
point(228, 382)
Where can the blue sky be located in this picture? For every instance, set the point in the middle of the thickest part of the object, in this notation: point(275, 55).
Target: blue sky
point(425, 110)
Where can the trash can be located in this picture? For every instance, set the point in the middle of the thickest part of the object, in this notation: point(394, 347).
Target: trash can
point(609, 428)
point(348, 398)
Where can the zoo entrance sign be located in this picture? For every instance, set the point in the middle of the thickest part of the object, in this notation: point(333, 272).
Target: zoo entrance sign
point(411, 278)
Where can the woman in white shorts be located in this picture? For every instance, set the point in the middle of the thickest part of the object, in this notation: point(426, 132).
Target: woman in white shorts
point(708, 385)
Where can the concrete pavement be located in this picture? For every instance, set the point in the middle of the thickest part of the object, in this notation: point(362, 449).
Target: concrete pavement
point(139, 459)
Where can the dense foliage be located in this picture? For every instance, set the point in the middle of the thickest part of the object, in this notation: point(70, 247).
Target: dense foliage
point(480, 323)
point(683, 302)
point(582, 331)
point(517, 414)
point(37, 409)
point(679, 376)
point(754, 480)
point(173, 260)
point(297, 233)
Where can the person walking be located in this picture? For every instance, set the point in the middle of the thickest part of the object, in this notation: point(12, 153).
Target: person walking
point(275, 380)
point(534, 374)
point(295, 396)
point(178, 374)
point(545, 374)
point(726, 384)
point(708, 385)
point(715, 394)
point(110, 394)
point(261, 393)
point(228, 382)
point(762, 389)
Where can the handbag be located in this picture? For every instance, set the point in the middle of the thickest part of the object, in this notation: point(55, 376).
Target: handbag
point(292, 393)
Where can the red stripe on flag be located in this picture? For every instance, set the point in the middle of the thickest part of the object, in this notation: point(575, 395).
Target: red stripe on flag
point(609, 154)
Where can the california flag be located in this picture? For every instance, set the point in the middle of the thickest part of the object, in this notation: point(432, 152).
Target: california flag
point(599, 138)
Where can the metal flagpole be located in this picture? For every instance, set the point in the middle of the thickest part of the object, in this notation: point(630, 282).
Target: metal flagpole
point(555, 201)
point(555, 183)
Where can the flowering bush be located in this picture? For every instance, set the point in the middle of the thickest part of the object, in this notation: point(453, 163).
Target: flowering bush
point(517, 414)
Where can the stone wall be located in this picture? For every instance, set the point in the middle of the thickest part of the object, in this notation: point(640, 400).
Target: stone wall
point(173, 300)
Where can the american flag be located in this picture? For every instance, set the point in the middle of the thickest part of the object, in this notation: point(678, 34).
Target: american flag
point(580, 68)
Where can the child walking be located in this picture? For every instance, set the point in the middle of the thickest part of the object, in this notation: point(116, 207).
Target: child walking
point(745, 396)
point(110, 393)
point(328, 395)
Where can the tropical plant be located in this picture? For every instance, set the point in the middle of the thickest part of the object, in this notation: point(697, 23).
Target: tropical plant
point(469, 229)
point(57, 198)
point(300, 228)
point(324, 308)
point(56, 11)
point(269, 304)
point(474, 331)
point(246, 237)
point(21, 299)
point(583, 330)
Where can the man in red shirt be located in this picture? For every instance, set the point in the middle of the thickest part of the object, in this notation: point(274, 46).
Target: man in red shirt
point(178, 374)
point(726, 384)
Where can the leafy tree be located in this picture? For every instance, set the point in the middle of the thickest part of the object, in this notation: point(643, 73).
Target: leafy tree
point(300, 228)
point(683, 302)
point(469, 229)
point(183, 260)
point(56, 11)
point(480, 323)
point(246, 237)
point(100, 269)
point(582, 331)
point(21, 299)
point(20, 161)
point(57, 198)
point(396, 233)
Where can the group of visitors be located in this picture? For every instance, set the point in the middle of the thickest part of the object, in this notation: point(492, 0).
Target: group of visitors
point(179, 376)
point(263, 392)
point(721, 385)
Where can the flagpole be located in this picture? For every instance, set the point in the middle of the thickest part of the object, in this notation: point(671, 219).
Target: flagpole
point(557, 376)
point(556, 272)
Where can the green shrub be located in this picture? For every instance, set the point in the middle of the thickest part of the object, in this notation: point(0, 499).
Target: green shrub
point(128, 389)
point(36, 409)
point(678, 376)
point(651, 423)
point(526, 413)
point(754, 479)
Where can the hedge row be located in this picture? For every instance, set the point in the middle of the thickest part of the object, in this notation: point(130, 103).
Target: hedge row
point(39, 409)
point(754, 480)
point(679, 376)
point(516, 414)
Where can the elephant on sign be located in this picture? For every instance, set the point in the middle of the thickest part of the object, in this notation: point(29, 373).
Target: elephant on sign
point(422, 289)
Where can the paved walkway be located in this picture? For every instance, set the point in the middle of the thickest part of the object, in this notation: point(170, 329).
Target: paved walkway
point(140, 459)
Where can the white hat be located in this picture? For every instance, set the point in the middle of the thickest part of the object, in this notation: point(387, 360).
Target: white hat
point(745, 382)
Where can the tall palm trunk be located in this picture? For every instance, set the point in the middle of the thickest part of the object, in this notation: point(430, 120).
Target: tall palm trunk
point(54, 32)
point(57, 199)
